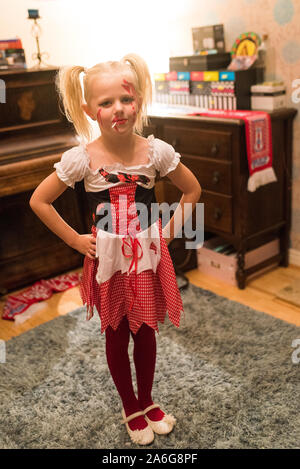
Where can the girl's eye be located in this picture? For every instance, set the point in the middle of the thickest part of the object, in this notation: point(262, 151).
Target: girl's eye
point(128, 99)
point(105, 104)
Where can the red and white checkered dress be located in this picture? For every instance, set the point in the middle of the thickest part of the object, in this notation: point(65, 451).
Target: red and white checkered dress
point(131, 275)
point(144, 297)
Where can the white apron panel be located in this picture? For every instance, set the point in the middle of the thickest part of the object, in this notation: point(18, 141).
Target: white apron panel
point(111, 256)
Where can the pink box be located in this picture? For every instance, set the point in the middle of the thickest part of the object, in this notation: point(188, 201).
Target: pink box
point(224, 266)
point(171, 76)
point(197, 76)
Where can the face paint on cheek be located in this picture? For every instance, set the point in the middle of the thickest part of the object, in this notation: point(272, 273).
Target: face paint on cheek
point(128, 87)
point(133, 111)
point(132, 92)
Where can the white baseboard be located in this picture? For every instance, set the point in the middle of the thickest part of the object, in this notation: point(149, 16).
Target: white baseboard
point(294, 257)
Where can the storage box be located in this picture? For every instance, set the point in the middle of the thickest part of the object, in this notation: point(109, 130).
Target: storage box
point(211, 76)
point(193, 63)
point(160, 76)
point(227, 75)
point(224, 266)
point(162, 86)
point(211, 89)
point(181, 87)
point(208, 37)
point(268, 97)
point(171, 76)
point(183, 76)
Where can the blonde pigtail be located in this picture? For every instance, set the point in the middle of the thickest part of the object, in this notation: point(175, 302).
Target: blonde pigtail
point(69, 87)
point(144, 91)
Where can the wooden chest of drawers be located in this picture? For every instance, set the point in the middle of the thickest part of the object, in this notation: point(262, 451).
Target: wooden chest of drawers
point(214, 150)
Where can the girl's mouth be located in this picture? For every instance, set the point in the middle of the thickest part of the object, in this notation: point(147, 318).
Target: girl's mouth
point(119, 122)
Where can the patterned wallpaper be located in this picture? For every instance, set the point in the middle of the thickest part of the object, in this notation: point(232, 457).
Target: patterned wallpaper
point(280, 19)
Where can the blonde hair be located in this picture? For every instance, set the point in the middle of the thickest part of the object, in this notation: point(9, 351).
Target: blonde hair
point(70, 90)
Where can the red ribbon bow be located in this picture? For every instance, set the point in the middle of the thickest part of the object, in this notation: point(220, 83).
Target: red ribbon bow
point(134, 244)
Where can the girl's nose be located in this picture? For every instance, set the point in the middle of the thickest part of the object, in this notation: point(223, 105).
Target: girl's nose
point(118, 105)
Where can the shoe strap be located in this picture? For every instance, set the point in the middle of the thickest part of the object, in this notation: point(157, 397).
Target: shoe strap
point(132, 416)
point(153, 406)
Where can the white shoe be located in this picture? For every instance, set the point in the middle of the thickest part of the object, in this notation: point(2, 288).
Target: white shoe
point(163, 426)
point(141, 437)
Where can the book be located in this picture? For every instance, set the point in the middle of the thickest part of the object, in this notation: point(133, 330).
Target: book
point(12, 59)
point(15, 43)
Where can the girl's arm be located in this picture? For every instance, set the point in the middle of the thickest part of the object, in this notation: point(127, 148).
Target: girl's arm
point(41, 203)
point(185, 180)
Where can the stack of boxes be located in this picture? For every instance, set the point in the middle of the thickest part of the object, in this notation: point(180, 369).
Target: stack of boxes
point(211, 89)
point(268, 96)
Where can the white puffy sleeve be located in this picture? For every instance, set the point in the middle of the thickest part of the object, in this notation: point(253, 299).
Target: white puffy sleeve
point(72, 166)
point(165, 157)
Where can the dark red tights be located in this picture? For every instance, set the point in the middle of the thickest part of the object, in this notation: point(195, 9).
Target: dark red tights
point(144, 355)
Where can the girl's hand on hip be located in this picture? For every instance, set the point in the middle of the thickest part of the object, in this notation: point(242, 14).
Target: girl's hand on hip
point(86, 244)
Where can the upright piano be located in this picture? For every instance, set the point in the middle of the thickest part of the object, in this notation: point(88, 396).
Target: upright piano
point(33, 134)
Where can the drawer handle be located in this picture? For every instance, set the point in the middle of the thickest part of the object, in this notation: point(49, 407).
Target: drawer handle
point(215, 149)
point(216, 177)
point(217, 213)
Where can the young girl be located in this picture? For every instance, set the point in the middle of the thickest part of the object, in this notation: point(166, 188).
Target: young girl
point(128, 274)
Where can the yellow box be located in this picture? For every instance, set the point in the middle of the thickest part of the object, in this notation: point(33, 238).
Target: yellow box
point(211, 76)
point(159, 77)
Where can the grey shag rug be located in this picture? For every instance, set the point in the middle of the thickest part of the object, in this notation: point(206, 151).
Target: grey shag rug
point(226, 374)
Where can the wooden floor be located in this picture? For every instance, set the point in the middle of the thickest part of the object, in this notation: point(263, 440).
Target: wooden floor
point(260, 294)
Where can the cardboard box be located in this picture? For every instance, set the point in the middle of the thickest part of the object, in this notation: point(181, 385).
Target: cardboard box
point(224, 266)
point(267, 97)
point(208, 38)
point(180, 87)
point(194, 63)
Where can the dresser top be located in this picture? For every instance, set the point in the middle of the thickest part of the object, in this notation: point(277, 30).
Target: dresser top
point(182, 112)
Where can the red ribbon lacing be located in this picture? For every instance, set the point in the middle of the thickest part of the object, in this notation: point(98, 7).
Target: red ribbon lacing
point(134, 245)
